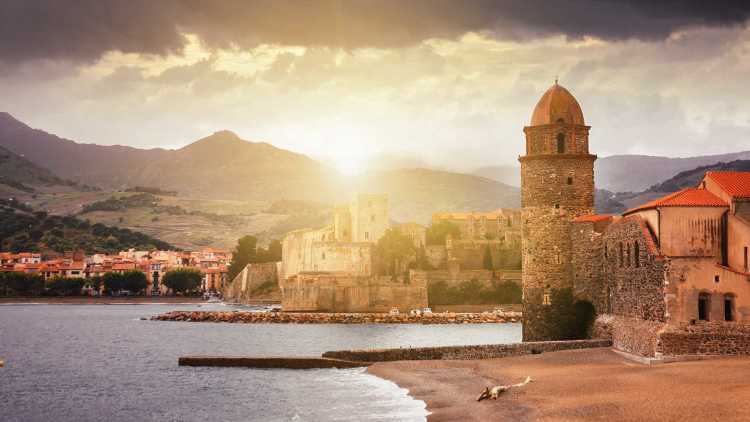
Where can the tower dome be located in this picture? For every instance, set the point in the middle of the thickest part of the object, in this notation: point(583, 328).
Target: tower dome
point(557, 105)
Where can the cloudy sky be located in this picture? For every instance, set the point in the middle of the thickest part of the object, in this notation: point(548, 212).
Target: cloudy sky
point(448, 83)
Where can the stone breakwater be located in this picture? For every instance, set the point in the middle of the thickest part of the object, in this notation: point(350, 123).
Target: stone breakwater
point(338, 318)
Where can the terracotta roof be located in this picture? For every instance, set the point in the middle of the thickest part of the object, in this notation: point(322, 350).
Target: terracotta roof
point(557, 104)
point(592, 218)
point(690, 197)
point(734, 183)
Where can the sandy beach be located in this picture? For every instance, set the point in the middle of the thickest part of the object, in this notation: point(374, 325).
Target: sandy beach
point(578, 385)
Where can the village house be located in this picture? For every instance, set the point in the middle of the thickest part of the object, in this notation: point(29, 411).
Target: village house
point(212, 263)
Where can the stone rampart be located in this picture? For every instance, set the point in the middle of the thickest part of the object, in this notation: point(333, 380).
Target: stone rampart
point(486, 351)
point(245, 285)
point(341, 292)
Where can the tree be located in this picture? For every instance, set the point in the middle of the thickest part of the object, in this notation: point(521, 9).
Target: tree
point(437, 233)
point(21, 284)
point(273, 253)
point(134, 281)
point(487, 262)
point(95, 283)
point(182, 280)
point(394, 251)
point(113, 282)
point(244, 253)
point(65, 286)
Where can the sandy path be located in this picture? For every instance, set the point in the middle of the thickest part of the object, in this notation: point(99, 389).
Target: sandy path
point(578, 385)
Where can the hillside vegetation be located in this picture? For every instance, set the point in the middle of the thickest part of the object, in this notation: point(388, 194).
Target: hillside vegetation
point(26, 230)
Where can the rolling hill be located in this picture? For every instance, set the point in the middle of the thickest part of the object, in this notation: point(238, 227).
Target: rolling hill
point(224, 166)
point(608, 202)
point(635, 173)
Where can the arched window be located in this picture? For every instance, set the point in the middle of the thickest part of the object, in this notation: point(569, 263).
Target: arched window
point(560, 143)
point(704, 306)
point(729, 307)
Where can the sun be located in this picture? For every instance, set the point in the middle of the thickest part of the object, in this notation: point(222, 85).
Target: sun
point(350, 164)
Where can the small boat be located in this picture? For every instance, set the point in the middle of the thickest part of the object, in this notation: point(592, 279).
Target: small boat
point(2, 363)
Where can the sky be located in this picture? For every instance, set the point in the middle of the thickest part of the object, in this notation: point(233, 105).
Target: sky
point(437, 83)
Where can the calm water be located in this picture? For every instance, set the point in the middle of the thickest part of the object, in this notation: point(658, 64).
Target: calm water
point(99, 362)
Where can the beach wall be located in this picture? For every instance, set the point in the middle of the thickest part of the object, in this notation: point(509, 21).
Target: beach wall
point(706, 339)
point(487, 351)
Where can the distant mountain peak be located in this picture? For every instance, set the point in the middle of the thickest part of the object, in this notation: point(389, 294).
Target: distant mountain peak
point(8, 121)
point(225, 134)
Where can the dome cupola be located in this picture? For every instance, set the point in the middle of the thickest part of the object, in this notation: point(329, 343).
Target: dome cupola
point(557, 105)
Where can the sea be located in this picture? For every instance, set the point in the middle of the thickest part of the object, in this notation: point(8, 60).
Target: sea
point(104, 363)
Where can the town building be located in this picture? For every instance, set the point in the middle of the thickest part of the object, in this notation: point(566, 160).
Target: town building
point(212, 263)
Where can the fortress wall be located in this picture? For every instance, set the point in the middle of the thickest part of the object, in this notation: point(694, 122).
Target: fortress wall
point(341, 292)
point(249, 279)
point(470, 253)
point(436, 256)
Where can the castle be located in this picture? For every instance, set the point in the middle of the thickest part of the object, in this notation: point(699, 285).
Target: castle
point(330, 269)
point(667, 278)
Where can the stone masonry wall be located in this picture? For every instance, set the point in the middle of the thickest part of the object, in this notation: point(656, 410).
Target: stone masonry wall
point(636, 286)
point(587, 260)
point(243, 286)
point(706, 338)
point(341, 292)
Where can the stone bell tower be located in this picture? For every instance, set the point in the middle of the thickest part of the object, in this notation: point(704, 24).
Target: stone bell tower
point(557, 185)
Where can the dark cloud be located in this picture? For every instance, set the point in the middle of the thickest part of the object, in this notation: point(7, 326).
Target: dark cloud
point(82, 30)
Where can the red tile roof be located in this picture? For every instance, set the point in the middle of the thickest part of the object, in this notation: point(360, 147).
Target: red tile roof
point(592, 218)
point(690, 197)
point(734, 183)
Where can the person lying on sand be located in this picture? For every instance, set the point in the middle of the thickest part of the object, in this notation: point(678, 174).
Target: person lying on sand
point(492, 393)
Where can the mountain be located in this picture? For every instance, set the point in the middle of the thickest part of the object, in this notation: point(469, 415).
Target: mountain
point(608, 202)
point(510, 175)
point(19, 173)
point(102, 166)
point(635, 173)
point(224, 166)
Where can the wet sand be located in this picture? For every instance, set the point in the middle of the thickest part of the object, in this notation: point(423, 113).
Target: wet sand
point(578, 385)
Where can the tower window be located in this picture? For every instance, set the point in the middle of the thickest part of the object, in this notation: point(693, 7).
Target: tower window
point(570, 180)
point(560, 143)
point(745, 255)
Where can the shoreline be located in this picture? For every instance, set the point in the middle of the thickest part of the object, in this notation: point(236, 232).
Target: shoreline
point(576, 385)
